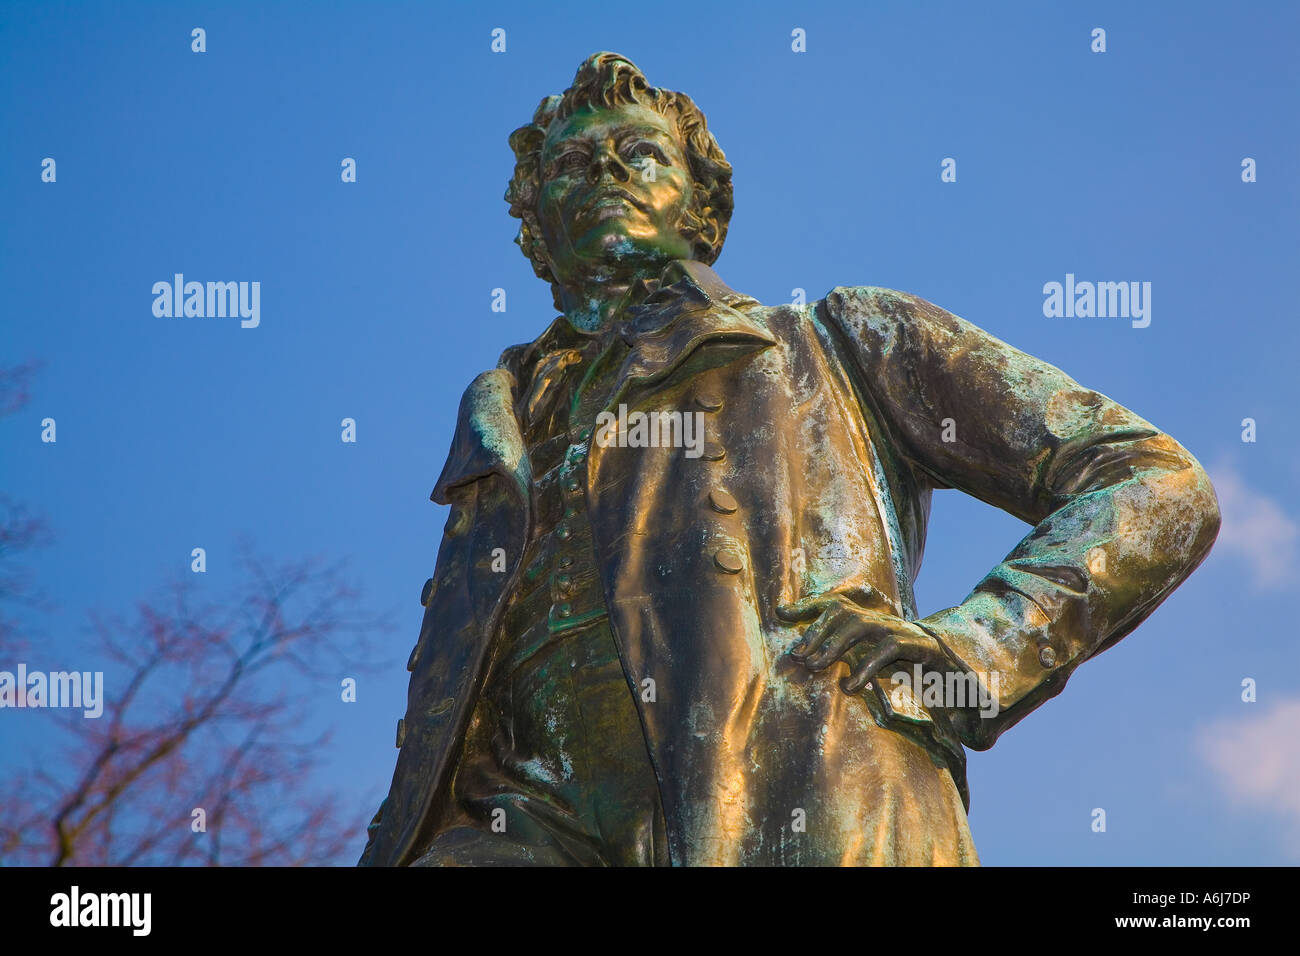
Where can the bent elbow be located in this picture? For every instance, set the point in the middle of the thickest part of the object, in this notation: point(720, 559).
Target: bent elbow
point(1193, 510)
point(1210, 515)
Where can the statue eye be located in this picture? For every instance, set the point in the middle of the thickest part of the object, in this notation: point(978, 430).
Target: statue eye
point(573, 159)
point(644, 148)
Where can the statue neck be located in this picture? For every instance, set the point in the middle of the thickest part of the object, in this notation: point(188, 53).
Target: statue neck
point(595, 302)
point(594, 308)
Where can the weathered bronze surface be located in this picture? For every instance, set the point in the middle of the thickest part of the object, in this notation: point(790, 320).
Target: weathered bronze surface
point(687, 651)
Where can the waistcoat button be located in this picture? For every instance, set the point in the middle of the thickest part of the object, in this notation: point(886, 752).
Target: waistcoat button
point(713, 451)
point(728, 560)
point(722, 502)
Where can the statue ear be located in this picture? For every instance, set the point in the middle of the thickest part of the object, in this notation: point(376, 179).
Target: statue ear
point(544, 269)
point(695, 225)
point(543, 265)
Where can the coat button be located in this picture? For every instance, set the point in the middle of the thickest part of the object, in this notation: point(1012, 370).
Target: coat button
point(709, 401)
point(563, 582)
point(722, 502)
point(728, 560)
point(713, 451)
point(563, 532)
point(426, 593)
point(565, 610)
point(415, 656)
point(401, 731)
point(1047, 657)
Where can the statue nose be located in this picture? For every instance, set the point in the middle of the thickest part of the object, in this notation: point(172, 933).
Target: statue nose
point(606, 162)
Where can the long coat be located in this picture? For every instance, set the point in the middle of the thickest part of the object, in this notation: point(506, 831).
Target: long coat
point(828, 425)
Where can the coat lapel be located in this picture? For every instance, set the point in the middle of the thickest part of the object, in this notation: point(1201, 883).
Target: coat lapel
point(690, 324)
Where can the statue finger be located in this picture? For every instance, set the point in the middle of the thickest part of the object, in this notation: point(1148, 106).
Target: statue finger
point(870, 667)
point(805, 609)
point(816, 633)
point(846, 634)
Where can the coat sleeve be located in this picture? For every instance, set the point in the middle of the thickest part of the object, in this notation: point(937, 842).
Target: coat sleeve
point(1122, 513)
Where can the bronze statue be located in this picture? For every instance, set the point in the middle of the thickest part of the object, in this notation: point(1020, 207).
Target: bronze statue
point(672, 618)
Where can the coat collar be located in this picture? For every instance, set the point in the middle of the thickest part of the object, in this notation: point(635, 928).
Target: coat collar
point(691, 322)
point(688, 321)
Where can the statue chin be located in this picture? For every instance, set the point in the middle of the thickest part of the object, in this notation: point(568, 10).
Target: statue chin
point(618, 257)
point(614, 244)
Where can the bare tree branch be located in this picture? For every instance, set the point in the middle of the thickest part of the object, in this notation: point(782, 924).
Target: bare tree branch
point(205, 716)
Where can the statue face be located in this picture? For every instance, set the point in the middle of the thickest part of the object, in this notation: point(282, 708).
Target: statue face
point(615, 187)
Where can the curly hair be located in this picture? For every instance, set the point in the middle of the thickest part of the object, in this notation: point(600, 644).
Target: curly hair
point(606, 80)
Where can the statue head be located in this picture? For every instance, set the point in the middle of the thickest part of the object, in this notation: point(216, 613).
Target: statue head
point(615, 178)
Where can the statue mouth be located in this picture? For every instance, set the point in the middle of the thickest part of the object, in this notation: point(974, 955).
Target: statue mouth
point(613, 199)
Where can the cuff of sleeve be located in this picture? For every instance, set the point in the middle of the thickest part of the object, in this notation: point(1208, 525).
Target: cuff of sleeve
point(1005, 641)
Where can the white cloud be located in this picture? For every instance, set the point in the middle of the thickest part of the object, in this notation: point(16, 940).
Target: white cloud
point(1257, 530)
point(1256, 760)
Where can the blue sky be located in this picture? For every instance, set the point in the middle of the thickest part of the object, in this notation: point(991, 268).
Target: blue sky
point(376, 305)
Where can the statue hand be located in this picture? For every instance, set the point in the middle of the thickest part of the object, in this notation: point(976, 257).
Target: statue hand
point(867, 640)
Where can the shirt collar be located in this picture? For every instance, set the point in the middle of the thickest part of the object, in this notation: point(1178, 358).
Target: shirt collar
point(684, 285)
